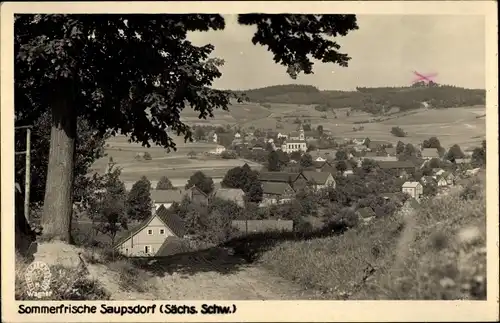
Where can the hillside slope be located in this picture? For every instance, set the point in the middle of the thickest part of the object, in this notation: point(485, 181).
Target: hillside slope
point(435, 252)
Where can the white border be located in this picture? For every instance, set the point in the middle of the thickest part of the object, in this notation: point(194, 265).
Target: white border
point(264, 311)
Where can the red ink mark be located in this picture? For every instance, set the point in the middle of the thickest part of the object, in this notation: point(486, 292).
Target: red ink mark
point(424, 78)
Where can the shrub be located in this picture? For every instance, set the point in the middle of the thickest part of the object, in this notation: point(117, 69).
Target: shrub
point(147, 156)
point(398, 132)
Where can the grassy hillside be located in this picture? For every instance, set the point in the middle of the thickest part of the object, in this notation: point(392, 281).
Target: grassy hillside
point(436, 252)
point(373, 100)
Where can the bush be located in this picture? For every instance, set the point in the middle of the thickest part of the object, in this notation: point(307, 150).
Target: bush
point(147, 156)
point(398, 132)
point(65, 284)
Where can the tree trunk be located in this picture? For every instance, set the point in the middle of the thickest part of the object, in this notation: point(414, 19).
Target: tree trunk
point(58, 202)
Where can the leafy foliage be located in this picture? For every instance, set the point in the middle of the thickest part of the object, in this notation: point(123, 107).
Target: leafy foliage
point(139, 202)
point(201, 181)
point(164, 184)
point(398, 132)
point(246, 179)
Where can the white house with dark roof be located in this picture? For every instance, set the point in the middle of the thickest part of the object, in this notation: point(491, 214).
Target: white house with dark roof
point(152, 236)
point(414, 189)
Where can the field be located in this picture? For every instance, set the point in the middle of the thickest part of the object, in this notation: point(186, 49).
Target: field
point(462, 126)
point(177, 166)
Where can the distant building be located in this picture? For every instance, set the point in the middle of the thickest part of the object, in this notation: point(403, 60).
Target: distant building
point(282, 136)
point(295, 180)
point(214, 137)
point(319, 180)
point(167, 197)
point(235, 195)
point(429, 153)
point(237, 135)
point(276, 193)
point(414, 189)
point(219, 150)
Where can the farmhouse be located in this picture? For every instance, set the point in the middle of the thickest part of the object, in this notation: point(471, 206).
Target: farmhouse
point(377, 144)
point(429, 153)
point(262, 225)
point(276, 193)
point(426, 180)
point(282, 136)
point(319, 180)
point(449, 177)
point(461, 161)
point(295, 180)
point(235, 195)
point(390, 151)
point(237, 135)
point(441, 182)
point(155, 236)
point(414, 189)
point(324, 166)
point(166, 198)
point(401, 168)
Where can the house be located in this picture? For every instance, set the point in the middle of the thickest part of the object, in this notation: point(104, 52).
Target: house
point(319, 180)
point(150, 236)
point(319, 159)
point(276, 193)
point(237, 135)
point(282, 136)
point(235, 195)
point(349, 169)
point(429, 153)
point(402, 168)
point(254, 226)
point(438, 171)
point(296, 180)
point(167, 197)
point(365, 214)
point(414, 189)
point(390, 151)
point(449, 177)
point(377, 144)
point(441, 182)
point(324, 166)
point(425, 180)
point(358, 141)
point(214, 137)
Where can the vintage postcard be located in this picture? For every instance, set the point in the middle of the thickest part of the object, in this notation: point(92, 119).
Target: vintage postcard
point(249, 161)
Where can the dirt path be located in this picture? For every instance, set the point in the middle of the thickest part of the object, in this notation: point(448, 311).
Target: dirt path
point(250, 283)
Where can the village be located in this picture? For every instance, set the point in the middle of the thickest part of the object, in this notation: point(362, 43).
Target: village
point(300, 166)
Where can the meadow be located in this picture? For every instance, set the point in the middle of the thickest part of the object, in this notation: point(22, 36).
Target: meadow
point(463, 126)
point(176, 165)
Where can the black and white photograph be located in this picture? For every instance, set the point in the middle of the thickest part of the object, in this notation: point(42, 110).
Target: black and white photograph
point(248, 156)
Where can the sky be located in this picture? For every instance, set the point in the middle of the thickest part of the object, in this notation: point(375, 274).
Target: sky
point(385, 51)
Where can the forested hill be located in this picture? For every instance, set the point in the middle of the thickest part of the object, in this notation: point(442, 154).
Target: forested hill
point(370, 99)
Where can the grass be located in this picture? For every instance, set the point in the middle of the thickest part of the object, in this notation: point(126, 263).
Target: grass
point(436, 253)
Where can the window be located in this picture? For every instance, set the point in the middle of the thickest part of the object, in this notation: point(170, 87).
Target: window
point(162, 231)
point(147, 249)
point(150, 232)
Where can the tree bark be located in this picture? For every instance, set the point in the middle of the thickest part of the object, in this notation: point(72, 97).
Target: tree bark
point(58, 201)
